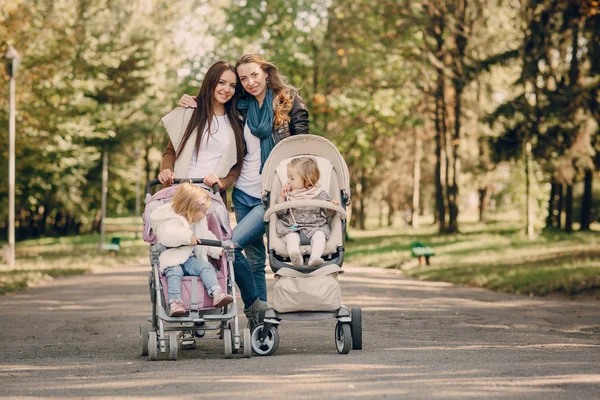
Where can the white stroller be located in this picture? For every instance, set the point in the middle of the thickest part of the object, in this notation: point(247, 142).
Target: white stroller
point(306, 293)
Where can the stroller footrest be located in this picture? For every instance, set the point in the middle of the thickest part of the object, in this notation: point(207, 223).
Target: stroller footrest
point(218, 317)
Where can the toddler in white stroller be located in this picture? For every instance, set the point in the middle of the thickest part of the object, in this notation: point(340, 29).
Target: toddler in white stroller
point(306, 247)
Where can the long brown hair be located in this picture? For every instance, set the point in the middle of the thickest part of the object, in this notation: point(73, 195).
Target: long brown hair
point(283, 92)
point(203, 114)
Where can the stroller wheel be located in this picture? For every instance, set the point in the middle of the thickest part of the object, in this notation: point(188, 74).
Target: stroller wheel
point(234, 350)
point(173, 346)
point(343, 338)
point(269, 345)
point(356, 326)
point(227, 343)
point(144, 331)
point(152, 346)
point(247, 342)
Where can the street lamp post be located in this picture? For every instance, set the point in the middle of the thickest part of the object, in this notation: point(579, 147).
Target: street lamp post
point(13, 60)
point(137, 192)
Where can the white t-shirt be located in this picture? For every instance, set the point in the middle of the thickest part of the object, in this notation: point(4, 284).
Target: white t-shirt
point(250, 180)
point(212, 147)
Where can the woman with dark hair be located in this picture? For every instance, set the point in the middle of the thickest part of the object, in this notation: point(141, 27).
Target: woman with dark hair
point(208, 141)
point(273, 110)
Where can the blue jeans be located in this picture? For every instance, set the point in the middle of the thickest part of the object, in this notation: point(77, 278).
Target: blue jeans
point(248, 236)
point(192, 267)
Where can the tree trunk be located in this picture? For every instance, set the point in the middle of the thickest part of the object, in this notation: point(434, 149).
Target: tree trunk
point(460, 39)
point(441, 168)
point(573, 83)
point(416, 178)
point(560, 201)
point(447, 172)
point(437, 31)
point(569, 208)
point(96, 222)
point(362, 217)
point(483, 203)
point(391, 208)
point(551, 218)
point(148, 168)
point(586, 201)
point(316, 112)
point(440, 209)
point(529, 195)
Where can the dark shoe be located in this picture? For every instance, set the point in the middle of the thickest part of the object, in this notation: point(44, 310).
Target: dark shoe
point(199, 332)
point(254, 314)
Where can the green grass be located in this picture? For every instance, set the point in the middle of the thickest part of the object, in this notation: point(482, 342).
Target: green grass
point(496, 256)
point(43, 259)
point(19, 279)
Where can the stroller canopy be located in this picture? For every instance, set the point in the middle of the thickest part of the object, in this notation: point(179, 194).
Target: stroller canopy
point(311, 145)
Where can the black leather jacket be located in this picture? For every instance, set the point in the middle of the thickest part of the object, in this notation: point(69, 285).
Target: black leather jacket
point(298, 123)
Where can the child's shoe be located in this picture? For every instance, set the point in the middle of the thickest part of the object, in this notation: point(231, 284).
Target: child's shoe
point(176, 309)
point(315, 262)
point(296, 259)
point(220, 298)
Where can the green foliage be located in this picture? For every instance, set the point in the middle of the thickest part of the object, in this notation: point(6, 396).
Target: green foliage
point(96, 75)
point(513, 191)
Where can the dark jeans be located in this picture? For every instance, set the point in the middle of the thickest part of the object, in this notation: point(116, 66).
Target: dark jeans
point(248, 236)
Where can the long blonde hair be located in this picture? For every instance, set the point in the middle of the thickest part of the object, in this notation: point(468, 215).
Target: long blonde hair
point(283, 92)
point(308, 170)
point(189, 199)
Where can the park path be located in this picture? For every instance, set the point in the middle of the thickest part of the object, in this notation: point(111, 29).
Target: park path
point(78, 337)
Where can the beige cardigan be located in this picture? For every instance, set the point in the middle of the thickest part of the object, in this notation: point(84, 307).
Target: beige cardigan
point(175, 124)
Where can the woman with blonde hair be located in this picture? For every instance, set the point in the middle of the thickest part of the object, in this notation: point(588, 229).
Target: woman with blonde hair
point(273, 110)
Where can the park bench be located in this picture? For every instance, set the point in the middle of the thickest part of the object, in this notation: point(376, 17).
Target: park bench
point(114, 246)
point(421, 251)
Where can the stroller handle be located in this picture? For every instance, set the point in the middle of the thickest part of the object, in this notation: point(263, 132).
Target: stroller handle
point(226, 244)
point(212, 243)
point(154, 182)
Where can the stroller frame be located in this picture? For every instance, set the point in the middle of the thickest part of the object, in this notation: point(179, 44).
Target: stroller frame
point(163, 334)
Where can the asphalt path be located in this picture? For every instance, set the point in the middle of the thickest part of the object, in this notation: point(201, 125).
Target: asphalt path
point(77, 337)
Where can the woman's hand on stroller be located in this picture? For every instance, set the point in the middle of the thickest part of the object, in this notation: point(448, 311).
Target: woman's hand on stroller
point(211, 179)
point(166, 176)
point(195, 241)
point(187, 101)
